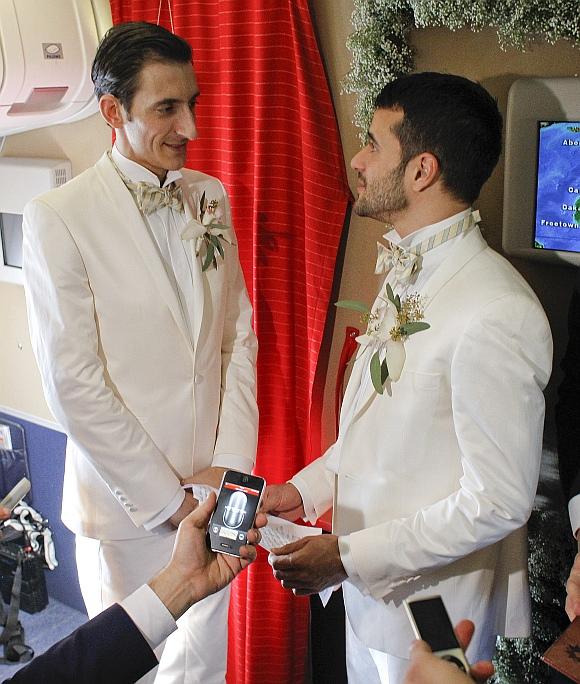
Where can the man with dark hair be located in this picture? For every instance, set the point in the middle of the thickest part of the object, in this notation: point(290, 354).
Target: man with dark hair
point(436, 464)
point(124, 52)
point(141, 326)
point(468, 150)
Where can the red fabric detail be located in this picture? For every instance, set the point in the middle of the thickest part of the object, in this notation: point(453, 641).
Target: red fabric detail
point(268, 131)
point(348, 349)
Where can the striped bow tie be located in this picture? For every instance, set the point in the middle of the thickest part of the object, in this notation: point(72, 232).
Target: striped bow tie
point(404, 263)
point(150, 197)
point(407, 262)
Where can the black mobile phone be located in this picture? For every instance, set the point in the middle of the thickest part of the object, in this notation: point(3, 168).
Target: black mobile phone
point(430, 622)
point(237, 504)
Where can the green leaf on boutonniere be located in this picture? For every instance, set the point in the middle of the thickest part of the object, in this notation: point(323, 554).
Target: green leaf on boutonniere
point(396, 300)
point(376, 373)
point(413, 327)
point(352, 304)
point(215, 240)
point(209, 257)
point(384, 372)
point(202, 206)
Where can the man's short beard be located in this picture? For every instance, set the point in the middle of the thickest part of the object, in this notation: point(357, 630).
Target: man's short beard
point(383, 197)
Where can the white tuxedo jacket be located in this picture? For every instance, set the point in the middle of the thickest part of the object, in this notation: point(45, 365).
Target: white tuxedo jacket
point(437, 476)
point(141, 406)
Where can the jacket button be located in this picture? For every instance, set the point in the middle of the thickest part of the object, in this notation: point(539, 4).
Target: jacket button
point(198, 378)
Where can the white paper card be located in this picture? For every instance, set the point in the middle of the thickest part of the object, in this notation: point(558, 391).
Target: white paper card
point(5, 437)
point(200, 491)
point(279, 532)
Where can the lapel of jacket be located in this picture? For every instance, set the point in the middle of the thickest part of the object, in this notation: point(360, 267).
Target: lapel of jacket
point(459, 255)
point(196, 272)
point(128, 215)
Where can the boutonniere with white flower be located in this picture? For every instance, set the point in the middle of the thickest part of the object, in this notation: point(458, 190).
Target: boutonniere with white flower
point(208, 232)
point(389, 326)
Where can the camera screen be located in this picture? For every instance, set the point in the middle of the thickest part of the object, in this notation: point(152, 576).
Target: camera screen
point(433, 624)
point(235, 511)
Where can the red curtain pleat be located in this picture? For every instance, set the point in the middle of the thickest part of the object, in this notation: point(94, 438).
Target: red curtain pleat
point(267, 128)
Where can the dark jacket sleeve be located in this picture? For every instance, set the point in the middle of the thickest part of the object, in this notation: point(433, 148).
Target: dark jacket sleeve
point(109, 649)
point(568, 406)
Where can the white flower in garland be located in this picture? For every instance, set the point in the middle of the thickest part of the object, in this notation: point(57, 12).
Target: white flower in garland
point(389, 326)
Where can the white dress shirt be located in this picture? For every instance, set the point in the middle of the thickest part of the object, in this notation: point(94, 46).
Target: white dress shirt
point(166, 225)
point(150, 615)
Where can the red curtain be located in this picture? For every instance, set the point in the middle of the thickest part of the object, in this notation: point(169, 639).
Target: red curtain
point(267, 128)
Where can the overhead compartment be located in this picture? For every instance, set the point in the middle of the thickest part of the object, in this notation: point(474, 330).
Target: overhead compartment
point(46, 51)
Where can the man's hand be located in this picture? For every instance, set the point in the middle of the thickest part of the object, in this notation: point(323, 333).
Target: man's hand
point(309, 565)
point(211, 476)
point(573, 589)
point(194, 571)
point(283, 500)
point(425, 668)
point(189, 504)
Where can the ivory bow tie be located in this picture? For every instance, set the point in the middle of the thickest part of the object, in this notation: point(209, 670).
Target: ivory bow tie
point(407, 262)
point(150, 197)
point(404, 263)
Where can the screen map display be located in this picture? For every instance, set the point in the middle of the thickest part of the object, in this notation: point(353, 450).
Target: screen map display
point(557, 224)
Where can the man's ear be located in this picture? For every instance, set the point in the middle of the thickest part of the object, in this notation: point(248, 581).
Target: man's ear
point(112, 111)
point(425, 171)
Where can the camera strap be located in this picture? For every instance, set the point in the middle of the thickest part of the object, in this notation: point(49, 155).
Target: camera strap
point(12, 636)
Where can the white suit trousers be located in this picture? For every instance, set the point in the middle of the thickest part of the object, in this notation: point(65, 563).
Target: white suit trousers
point(111, 570)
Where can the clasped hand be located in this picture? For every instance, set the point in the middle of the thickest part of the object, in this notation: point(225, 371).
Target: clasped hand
point(308, 565)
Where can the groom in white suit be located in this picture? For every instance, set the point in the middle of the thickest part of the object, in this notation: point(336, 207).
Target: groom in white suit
point(141, 326)
point(436, 464)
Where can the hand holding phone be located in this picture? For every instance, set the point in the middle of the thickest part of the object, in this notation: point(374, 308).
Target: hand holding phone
point(237, 504)
point(430, 622)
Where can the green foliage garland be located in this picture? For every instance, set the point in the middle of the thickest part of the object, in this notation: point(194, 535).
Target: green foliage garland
point(380, 48)
point(551, 553)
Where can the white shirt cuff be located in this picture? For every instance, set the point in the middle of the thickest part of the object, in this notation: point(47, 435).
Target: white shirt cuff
point(310, 514)
point(574, 512)
point(150, 615)
point(167, 512)
point(349, 566)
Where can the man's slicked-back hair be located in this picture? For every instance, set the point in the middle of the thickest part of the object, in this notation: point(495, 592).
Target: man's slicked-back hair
point(124, 51)
point(451, 117)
